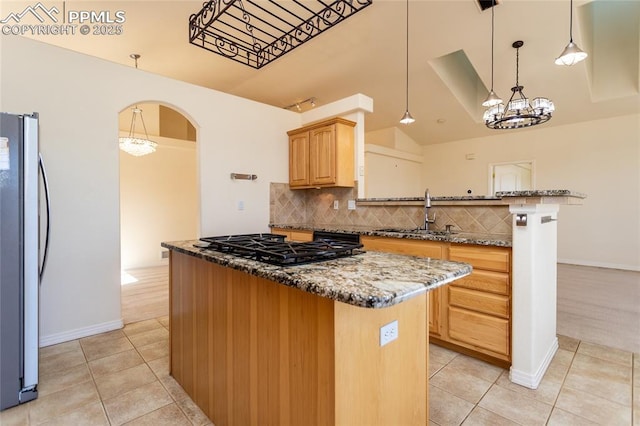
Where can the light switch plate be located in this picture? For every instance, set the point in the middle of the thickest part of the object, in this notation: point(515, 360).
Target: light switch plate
point(351, 204)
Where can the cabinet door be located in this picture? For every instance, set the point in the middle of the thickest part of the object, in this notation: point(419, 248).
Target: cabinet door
point(413, 248)
point(435, 299)
point(299, 160)
point(322, 157)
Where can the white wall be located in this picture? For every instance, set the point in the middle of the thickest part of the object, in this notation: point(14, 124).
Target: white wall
point(599, 158)
point(394, 165)
point(158, 201)
point(79, 98)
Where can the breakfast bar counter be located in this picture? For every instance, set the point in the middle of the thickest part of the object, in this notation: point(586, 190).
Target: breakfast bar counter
point(338, 342)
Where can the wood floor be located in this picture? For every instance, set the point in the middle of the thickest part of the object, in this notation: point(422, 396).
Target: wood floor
point(599, 305)
point(595, 305)
point(148, 297)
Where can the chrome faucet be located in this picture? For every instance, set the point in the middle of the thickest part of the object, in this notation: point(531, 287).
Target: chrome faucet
point(427, 206)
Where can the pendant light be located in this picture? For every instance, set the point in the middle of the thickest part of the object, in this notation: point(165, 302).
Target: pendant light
point(132, 144)
point(519, 112)
point(407, 118)
point(571, 54)
point(492, 99)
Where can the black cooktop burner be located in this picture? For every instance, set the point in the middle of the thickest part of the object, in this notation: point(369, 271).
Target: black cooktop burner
point(272, 248)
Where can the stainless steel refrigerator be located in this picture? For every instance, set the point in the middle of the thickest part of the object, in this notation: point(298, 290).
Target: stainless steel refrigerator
point(20, 257)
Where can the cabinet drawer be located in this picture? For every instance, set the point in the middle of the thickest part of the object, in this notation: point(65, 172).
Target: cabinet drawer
point(479, 331)
point(403, 246)
point(493, 258)
point(301, 236)
point(492, 304)
point(493, 282)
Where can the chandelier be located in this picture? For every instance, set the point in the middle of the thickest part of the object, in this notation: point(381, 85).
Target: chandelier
point(132, 144)
point(519, 112)
point(137, 146)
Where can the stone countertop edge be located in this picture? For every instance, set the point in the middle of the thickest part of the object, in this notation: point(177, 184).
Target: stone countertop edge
point(541, 193)
point(499, 196)
point(455, 237)
point(368, 280)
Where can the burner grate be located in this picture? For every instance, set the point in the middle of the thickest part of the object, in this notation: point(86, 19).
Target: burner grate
point(273, 249)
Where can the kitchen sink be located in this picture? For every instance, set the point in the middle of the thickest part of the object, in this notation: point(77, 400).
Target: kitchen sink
point(415, 231)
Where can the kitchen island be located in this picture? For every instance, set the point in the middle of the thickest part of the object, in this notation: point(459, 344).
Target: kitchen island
point(254, 343)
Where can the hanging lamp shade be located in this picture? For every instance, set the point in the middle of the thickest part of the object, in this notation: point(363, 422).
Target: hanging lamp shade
point(571, 54)
point(407, 118)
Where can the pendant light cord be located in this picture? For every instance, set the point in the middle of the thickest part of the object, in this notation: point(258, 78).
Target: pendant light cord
point(517, 67)
point(407, 87)
point(571, 21)
point(493, 6)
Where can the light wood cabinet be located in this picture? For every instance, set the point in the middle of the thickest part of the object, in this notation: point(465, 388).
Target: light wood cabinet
point(322, 155)
point(421, 248)
point(294, 234)
point(472, 314)
point(479, 305)
point(250, 351)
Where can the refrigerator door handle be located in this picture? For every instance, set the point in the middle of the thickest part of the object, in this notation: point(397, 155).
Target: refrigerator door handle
point(31, 258)
point(45, 182)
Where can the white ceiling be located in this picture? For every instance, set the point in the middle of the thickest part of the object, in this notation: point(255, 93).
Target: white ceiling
point(366, 54)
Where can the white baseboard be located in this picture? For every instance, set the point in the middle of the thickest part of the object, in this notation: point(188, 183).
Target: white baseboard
point(600, 264)
point(532, 381)
point(78, 333)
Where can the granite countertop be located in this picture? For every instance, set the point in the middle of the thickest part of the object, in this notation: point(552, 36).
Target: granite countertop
point(541, 193)
point(534, 196)
point(436, 198)
point(369, 280)
point(498, 240)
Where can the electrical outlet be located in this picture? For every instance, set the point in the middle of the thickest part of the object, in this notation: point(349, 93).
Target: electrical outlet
point(388, 333)
point(240, 205)
point(335, 204)
point(351, 204)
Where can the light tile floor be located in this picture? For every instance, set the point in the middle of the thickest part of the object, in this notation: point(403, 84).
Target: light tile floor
point(115, 378)
point(586, 384)
point(121, 377)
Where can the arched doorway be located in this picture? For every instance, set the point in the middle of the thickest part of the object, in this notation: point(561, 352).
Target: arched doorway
point(158, 202)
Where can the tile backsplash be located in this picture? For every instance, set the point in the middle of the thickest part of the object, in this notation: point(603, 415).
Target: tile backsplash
point(316, 207)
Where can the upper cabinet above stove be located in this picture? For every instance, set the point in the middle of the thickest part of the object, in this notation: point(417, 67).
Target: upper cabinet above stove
point(321, 155)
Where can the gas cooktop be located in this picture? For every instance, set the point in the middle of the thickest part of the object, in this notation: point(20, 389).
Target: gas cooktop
point(273, 249)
